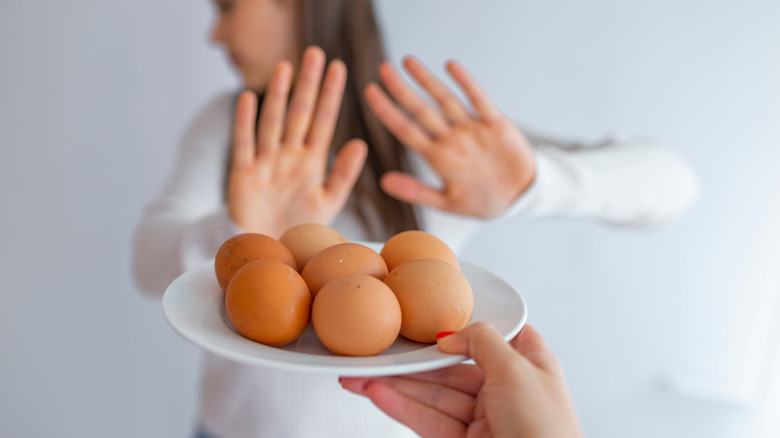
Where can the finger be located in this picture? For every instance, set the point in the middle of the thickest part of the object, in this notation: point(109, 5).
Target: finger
point(466, 378)
point(485, 345)
point(355, 385)
point(409, 189)
point(479, 100)
point(429, 118)
point(448, 103)
point(404, 129)
point(532, 345)
point(448, 401)
point(345, 171)
point(327, 112)
point(244, 130)
point(304, 96)
point(424, 420)
point(269, 130)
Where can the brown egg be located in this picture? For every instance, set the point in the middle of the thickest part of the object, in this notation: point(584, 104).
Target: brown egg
point(248, 247)
point(356, 315)
point(306, 240)
point(415, 244)
point(267, 301)
point(342, 259)
point(434, 297)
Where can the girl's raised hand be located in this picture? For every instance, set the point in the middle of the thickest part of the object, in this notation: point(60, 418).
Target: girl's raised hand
point(483, 160)
point(278, 175)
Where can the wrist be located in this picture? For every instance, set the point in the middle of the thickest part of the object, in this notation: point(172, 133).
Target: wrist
point(254, 222)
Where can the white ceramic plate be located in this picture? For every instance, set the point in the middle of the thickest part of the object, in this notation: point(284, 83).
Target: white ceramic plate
point(194, 306)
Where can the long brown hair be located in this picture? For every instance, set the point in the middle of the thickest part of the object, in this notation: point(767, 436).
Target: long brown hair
point(348, 30)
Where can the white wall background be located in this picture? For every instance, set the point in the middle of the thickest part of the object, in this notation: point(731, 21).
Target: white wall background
point(668, 333)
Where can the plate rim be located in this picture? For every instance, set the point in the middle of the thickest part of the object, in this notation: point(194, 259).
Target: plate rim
point(341, 369)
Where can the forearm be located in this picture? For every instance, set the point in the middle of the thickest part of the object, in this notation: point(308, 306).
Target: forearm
point(165, 246)
point(632, 184)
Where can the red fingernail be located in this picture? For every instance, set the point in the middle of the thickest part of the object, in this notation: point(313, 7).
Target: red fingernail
point(443, 334)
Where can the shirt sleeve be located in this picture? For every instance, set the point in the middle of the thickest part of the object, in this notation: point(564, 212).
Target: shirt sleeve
point(621, 182)
point(187, 221)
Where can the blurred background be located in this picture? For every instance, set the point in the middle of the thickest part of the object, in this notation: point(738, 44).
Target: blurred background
point(670, 333)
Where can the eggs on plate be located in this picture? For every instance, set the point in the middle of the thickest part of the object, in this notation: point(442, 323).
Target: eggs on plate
point(357, 300)
point(267, 301)
point(245, 248)
point(342, 259)
point(356, 315)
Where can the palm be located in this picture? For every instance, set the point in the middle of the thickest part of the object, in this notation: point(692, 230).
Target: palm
point(484, 162)
point(285, 189)
point(482, 157)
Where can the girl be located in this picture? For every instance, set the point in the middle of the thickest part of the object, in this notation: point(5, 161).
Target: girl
point(468, 165)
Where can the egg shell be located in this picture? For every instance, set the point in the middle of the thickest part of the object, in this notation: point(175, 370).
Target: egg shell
point(242, 249)
point(356, 315)
point(306, 240)
point(342, 259)
point(434, 297)
point(415, 244)
point(267, 301)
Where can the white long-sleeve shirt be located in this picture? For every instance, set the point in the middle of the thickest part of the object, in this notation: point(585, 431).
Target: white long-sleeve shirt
point(620, 182)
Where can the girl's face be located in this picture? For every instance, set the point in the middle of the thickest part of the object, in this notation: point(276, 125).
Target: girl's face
point(255, 35)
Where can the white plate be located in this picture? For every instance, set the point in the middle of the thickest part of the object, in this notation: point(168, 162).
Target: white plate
point(194, 306)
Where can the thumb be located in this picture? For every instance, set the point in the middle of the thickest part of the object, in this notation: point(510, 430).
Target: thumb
point(346, 170)
point(482, 343)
